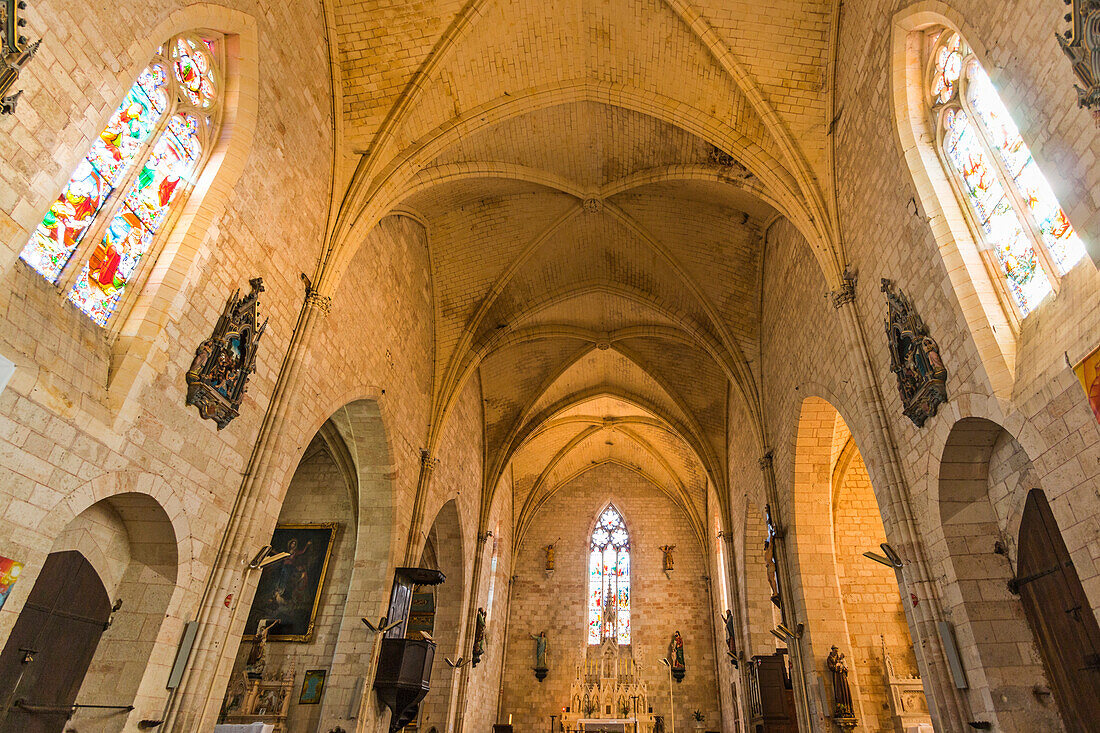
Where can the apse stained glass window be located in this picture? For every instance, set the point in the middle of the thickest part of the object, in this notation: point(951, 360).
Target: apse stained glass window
point(1014, 211)
point(609, 579)
point(96, 236)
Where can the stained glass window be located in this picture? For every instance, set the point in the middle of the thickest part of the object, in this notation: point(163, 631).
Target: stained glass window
point(609, 579)
point(1018, 218)
point(121, 193)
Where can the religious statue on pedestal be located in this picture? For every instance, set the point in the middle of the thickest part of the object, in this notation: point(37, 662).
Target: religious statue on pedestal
point(843, 713)
point(770, 557)
point(731, 636)
point(676, 656)
point(668, 560)
point(541, 648)
point(479, 638)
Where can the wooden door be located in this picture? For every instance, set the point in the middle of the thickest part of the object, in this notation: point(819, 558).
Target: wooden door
point(47, 655)
point(1059, 615)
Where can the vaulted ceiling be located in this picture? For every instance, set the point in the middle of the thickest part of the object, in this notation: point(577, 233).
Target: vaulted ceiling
point(596, 177)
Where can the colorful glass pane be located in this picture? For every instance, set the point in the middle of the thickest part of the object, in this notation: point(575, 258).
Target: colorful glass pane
point(1003, 229)
point(113, 152)
point(113, 262)
point(1061, 240)
point(949, 62)
point(609, 580)
point(194, 72)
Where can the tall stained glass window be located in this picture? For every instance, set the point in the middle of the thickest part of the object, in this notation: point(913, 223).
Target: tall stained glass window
point(1013, 210)
point(96, 236)
point(609, 579)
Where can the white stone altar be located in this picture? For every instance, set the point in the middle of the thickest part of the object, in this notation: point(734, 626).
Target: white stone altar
point(607, 694)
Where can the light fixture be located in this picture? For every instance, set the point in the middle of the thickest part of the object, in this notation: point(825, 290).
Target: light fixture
point(892, 554)
point(382, 627)
point(265, 557)
point(892, 559)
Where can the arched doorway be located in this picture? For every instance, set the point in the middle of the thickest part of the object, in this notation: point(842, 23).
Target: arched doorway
point(119, 552)
point(344, 478)
point(849, 600)
point(982, 474)
point(1059, 614)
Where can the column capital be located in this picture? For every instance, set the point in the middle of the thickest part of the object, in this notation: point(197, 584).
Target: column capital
point(846, 293)
point(765, 461)
point(426, 461)
point(321, 303)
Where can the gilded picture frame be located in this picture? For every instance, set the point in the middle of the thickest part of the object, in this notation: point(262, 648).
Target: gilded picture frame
point(290, 588)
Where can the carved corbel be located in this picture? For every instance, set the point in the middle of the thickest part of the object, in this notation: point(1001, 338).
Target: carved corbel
point(16, 53)
point(1081, 45)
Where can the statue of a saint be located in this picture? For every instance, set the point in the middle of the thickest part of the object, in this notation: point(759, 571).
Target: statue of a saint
point(541, 646)
point(479, 638)
point(676, 651)
point(770, 556)
point(549, 558)
point(667, 550)
point(842, 694)
point(731, 634)
point(256, 661)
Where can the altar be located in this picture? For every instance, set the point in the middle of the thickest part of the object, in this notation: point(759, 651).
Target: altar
point(608, 695)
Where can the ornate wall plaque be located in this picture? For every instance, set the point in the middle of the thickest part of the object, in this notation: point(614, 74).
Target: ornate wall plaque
point(222, 364)
point(16, 52)
point(1081, 44)
point(914, 358)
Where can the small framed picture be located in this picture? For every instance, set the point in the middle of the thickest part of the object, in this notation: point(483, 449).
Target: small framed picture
point(312, 685)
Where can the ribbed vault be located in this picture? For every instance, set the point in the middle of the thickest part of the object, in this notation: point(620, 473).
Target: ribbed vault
point(596, 181)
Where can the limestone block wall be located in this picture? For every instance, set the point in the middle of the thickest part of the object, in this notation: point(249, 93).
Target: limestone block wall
point(659, 605)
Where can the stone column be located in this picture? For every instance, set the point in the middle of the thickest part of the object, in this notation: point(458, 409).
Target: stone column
point(471, 622)
point(786, 597)
point(915, 578)
point(427, 465)
point(230, 587)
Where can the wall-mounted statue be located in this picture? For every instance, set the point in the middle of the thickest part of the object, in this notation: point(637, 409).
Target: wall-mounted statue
point(1081, 44)
point(914, 358)
point(668, 561)
point(16, 53)
point(676, 656)
point(843, 713)
point(479, 638)
point(770, 556)
point(542, 648)
point(257, 655)
point(222, 364)
point(550, 557)
point(731, 636)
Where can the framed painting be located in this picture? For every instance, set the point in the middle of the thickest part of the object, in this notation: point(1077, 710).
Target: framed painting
point(313, 684)
point(1088, 373)
point(289, 590)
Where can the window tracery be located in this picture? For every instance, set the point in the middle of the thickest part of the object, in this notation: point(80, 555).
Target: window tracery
point(609, 579)
point(122, 192)
point(1014, 212)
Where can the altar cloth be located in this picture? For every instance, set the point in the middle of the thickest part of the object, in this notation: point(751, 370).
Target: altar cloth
point(607, 725)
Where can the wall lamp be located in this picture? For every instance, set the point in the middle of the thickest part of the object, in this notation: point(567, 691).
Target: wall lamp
point(892, 559)
point(265, 557)
point(782, 633)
